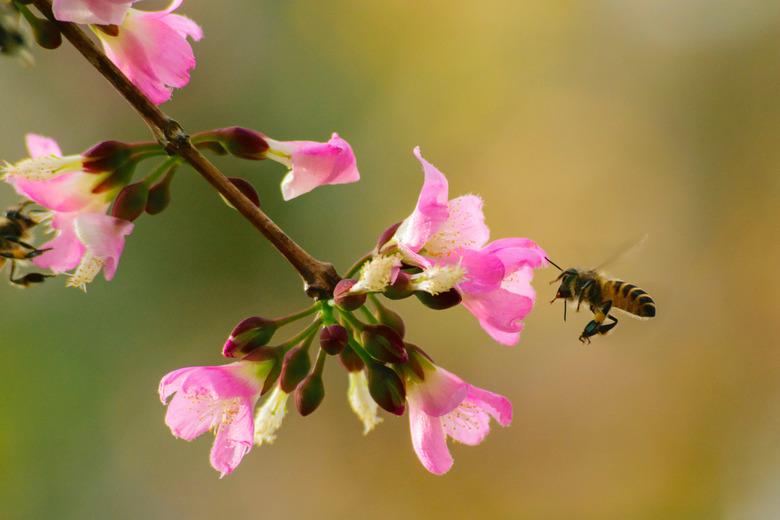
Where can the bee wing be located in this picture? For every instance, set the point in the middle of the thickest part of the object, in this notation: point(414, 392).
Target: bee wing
point(625, 252)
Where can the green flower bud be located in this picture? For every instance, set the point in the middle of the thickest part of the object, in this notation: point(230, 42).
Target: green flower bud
point(386, 388)
point(249, 334)
point(384, 344)
point(295, 366)
point(131, 201)
point(309, 394)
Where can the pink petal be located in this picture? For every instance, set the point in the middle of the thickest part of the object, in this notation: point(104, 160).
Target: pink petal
point(466, 223)
point(516, 253)
point(431, 211)
point(66, 249)
point(223, 382)
point(171, 382)
point(496, 405)
point(40, 146)
point(316, 164)
point(500, 313)
point(470, 422)
point(485, 271)
point(104, 237)
point(227, 452)
point(429, 441)
point(439, 393)
point(67, 192)
point(105, 12)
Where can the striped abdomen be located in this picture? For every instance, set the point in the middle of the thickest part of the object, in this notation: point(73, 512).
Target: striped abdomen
point(629, 298)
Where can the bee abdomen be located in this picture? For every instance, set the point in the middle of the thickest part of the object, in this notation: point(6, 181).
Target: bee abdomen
point(630, 298)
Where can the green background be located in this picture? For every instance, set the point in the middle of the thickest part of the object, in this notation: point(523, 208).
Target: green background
point(583, 125)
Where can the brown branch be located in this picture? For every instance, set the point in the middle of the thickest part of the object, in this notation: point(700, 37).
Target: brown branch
point(320, 277)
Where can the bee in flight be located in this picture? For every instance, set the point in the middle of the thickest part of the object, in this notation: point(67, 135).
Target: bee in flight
point(602, 294)
point(14, 230)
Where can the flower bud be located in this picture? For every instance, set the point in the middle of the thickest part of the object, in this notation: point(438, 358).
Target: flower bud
point(106, 156)
point(345, 300)
point(439, 301)
point(45, 32)
point(160, 194)
point(309, 394)
point(295, 366)
point(333, 339)
point(392, 319)
point(351, 360)
point(242, 142)
point(386, 388)
point(246, 188)
point(384, 344)
point(389, 233)
point(400, 288)
point(131, 201)
point(248, 335)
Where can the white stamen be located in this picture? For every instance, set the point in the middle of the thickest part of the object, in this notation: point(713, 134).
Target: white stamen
point(42, 168)
point(375, 274)
point(268, 417)
point(86, 272)
point(438, 279)
point(361, 402)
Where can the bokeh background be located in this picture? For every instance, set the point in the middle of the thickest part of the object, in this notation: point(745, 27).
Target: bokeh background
point(583, 125)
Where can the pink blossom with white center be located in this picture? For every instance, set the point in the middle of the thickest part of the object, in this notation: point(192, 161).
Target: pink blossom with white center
point(103, 12)
point(217, 398)
point(496, 287)
point(152, 50)
point(86, 237)
point(313, 164)
point(443, 405)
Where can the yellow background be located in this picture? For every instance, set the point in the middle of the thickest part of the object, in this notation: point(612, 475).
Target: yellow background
point(583, 125)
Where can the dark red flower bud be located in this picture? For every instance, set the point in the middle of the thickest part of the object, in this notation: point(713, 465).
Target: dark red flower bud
point(439, 301)
point(309, 394)
point(384, 344)
point(351, 360)
point(45, 32)
point(242, 142)
point(400, 288)
point(111, 30)
point(391, 319)
point(160, 194)
point(248, 335)
point(385, 237)
point(386, 388)
point(131, 201)
point(246, 188)
point(106, 156)
point(344, 300)
point(333, 339)
point(295, 366)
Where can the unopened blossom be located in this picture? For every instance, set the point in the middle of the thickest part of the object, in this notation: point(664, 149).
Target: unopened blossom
point(103, 12)
point(361, 402)
point(86, 237)
point(216, 398)
point(152, 50)
point(496, 283)
point(441, 405)
point(313, 164)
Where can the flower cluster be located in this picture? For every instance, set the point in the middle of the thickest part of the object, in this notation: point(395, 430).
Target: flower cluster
point(440, 254)
point(90, 201)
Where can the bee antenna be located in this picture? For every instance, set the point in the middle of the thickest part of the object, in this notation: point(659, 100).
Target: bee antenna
point(553, 263)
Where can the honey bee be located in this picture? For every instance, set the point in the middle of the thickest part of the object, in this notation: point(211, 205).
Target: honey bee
point(602, 294)
point(14, 230)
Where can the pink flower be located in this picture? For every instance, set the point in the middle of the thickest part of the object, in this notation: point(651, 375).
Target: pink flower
point(313, 164)
point(218, 398)
point(151, 49)
point(496, 288)
point(104, 12)
point(86, 237)
point(443, 405)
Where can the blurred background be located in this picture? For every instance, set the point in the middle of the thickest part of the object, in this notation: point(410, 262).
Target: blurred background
point(583, 125)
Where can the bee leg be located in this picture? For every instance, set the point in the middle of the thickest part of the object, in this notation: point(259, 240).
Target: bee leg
point(34, 251)
point(596, 326)
point(582, 293)
point(28, 279)
point(603, 329)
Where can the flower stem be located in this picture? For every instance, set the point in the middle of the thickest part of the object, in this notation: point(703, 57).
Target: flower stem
point(319, 277)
